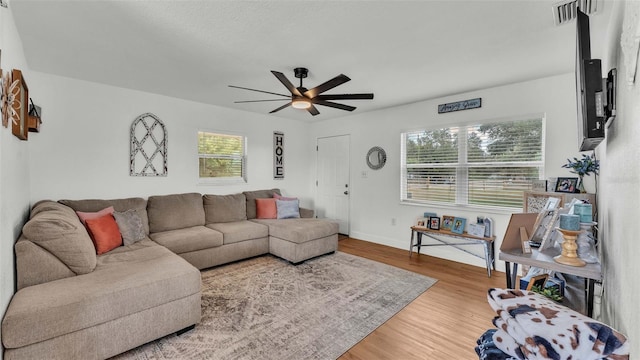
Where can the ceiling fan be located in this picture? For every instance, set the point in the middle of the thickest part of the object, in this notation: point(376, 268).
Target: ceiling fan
point(303, 98)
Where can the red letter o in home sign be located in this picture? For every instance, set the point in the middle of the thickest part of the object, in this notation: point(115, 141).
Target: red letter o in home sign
point(278, 155)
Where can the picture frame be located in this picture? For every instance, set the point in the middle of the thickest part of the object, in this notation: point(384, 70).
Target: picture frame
point(543, 227)
point(20, 105)
point(567, 184)
point(447, 222)
point(434, 223)
point(488, 227)
point(539, 280)
point(458, 225)
point(539, 185)
point(476, 230)
point(422, 222)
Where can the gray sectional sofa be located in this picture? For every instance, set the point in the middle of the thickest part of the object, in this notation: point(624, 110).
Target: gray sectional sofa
point(74, 304)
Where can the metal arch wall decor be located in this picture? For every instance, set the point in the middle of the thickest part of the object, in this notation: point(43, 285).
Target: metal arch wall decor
point(148, 147)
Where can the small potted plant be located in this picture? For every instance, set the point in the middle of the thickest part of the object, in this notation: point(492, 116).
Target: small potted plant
point(552, 292)
point(585, 166)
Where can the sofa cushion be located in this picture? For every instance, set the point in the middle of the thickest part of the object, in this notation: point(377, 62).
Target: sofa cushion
point(299, 230)
point(56, 228)
point(177, 211)
point(130, 225)
point(189, 239)
point(225, 208)
point(130, 281)
point(92, 205)
point(257, 194)
point(237, 231)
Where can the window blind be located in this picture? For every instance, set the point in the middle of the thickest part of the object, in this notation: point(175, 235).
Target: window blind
point(221, 155)
point(489, 164)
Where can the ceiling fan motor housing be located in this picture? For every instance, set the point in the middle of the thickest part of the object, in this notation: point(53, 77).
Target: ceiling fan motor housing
point(301, 72)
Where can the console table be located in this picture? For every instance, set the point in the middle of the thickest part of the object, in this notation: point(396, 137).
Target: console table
point(544, 259)
point(489, 253)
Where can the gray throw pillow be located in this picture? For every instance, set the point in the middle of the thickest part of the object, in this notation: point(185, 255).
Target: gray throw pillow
point(130, 225)
point(288, 209)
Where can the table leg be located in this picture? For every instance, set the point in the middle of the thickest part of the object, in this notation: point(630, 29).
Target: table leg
point(411, 242)
point(419, 244)
point(487, 257)
point(493, 255)
point(511, 274)
point(589, 296)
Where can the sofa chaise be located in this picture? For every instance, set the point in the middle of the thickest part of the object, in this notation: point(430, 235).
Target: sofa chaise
point(73, 304)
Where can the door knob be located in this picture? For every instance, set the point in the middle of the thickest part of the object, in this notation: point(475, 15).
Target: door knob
point(346, 193)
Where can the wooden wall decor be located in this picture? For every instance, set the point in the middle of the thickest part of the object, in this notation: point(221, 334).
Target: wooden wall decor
point(148, 147)
point(18, 111)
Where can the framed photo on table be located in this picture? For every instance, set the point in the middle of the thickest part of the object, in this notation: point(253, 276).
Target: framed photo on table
point(567, 185)
point(434, 223)
point(458, 225)
point(447, 222)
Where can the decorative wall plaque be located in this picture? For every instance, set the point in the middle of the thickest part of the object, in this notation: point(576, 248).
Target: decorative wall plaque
point(460, 105)
point(148, 147)
point(278, 155)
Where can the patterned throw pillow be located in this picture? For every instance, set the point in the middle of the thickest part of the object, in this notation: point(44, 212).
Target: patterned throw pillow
point(288, 209)
point(130, 225)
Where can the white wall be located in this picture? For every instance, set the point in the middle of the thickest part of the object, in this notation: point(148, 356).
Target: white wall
point(14, 167)
point(620, 195)
point(375, 200)
point(82, 150)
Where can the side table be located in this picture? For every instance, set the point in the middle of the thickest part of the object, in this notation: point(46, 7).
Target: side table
point(544, 259)
point(489, 253)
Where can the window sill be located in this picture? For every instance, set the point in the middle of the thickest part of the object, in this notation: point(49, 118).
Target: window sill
point(483, 209)
point(221, 181)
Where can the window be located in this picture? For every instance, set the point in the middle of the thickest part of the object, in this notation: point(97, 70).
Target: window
point(488, 164)
point(221, 156)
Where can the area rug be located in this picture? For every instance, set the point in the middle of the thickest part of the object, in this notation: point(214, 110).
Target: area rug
point(266, 308)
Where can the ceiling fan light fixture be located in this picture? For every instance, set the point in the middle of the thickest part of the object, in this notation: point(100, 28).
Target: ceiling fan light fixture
point(301, 103)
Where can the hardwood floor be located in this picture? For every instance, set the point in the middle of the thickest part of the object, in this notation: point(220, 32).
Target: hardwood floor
point(442, 323)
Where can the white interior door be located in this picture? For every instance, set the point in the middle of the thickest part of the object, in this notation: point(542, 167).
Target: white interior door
point(333, 188)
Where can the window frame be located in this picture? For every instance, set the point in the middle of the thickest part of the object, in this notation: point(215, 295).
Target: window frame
point(463, 166)
point(243, 179)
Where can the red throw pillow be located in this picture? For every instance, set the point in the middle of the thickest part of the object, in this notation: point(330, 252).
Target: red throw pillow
point(266, 208)
point(104, 233)
point(93, 215)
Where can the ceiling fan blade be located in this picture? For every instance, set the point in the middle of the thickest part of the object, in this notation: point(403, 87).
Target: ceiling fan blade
point(367, 96)
point(262, 91)
point(313, 110)
point(334, 105)
point(283, 79)
point(280, 108)
point(328, 85)
point(252, 101)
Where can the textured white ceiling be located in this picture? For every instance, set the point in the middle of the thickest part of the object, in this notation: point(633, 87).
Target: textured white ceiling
point(403, 51)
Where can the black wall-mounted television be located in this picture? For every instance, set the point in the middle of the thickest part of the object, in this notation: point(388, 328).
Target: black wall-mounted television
point(589, 95)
